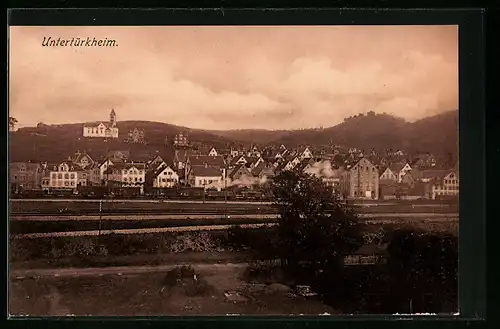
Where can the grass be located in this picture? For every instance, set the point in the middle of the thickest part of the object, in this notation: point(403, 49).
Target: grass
point(93, 207)
point(27, 226)
point(150, 295)
point(135, 260)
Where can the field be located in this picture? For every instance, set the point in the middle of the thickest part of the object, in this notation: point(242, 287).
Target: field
point(213, 290)
point(117, 206)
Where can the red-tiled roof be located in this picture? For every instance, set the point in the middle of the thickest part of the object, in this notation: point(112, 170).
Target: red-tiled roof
point(241, 169)
point(208, 171)
point(396, 167)
point(198, 160)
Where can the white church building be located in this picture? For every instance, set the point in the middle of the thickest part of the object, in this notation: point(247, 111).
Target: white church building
point(102, 129)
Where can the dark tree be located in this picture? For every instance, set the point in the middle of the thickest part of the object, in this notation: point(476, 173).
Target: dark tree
point(314, 229)
point(12, 122)
point(424, 267)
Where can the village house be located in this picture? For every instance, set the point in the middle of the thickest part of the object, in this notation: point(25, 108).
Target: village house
point(252, 162)
point(399, 169)
point(94, 177)
point(292, 163)
point(253, 152)
point(424, 161)
point(66, 176)
point(263, 170)
point(239, 172)
point(234, 152)
point(361, 181)
point(205, 176)
point(127, 174)
point(388, 175)
point(430, 175)
point(213, 152)
point(82, 159)
point(181, 140)
point(181, 156)
point(238, 160)
point(102, 129)
point(103, 168)
point(165, 177)
point(446, 187)
point(206, 160)
point(24, 175)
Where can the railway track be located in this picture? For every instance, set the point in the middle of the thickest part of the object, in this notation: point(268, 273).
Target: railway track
point(192, 228)
point(197, 215)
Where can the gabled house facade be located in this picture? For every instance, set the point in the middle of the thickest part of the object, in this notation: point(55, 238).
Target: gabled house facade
point(388, 175)
point(206, 177)
point(66, 176)
point(361, 181)
point(165, 177)
point(446, 187)
point(213, 152)
point(239, 172)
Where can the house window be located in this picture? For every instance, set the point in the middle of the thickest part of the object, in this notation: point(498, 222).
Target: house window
point(163, 180)
point(124, 172)
point(170, 173)
point(72, 183)
point(66, 176)
point(131, 172)
point(72, 176)
point(66, 183)
point(125, 179)
point(140, 179)
point(59, 176)
point(135, 179)
point(54, 175)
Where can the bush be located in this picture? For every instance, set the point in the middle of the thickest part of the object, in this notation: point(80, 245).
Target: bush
point(263, 273)
point(187, 280)
point(195, 241)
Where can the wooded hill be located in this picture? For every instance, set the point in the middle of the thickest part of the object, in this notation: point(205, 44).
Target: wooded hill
point(437, 134)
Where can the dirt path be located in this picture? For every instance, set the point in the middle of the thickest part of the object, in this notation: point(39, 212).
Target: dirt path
point(117, 270)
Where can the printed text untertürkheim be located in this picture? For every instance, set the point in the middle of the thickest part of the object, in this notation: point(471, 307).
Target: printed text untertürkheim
point(78, 42)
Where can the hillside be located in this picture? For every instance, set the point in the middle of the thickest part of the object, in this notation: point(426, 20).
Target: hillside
point(437, 134)
point(57, 142)
point(252, 136)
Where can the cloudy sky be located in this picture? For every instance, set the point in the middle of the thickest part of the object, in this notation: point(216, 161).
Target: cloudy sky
point(234, 77)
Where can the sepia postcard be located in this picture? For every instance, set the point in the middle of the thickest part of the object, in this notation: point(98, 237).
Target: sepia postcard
point(221, 170)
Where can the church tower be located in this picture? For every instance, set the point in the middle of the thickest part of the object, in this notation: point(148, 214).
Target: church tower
point(112, 118)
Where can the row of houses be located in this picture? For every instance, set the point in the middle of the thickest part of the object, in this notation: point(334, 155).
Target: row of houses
point(355, 178)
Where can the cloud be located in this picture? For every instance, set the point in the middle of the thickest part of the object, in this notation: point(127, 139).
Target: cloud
point(237, 77)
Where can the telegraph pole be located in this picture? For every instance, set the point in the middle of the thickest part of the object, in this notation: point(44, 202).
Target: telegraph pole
point(225, 190)
point(100, 218)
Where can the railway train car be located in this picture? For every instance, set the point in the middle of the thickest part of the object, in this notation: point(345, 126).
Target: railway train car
point(125, 192)
point(219, 195)
point(32, 194)
point(190, 193)
point(62, 193)
point(92, 191)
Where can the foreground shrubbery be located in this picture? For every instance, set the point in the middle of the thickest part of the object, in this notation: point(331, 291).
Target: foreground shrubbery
point(116, 245)
point(184, 279)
